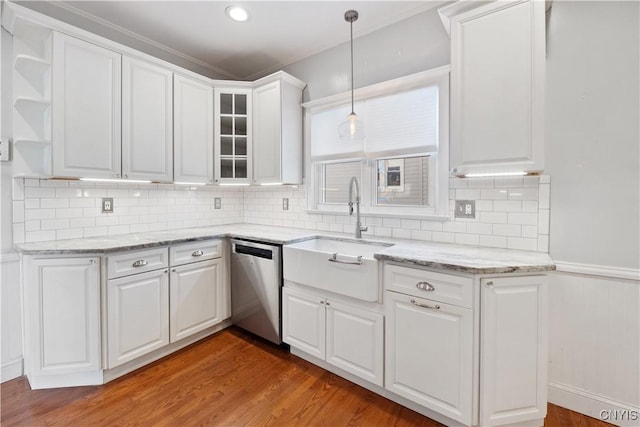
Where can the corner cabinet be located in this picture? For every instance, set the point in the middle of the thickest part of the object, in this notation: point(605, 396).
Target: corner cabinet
point(277, 134)
point(62, 321)
point(497, 86)
point(86, 124)
point(233, 135)
point(192, 131)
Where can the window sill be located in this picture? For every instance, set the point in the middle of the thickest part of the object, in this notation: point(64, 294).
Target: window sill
point(428, 217)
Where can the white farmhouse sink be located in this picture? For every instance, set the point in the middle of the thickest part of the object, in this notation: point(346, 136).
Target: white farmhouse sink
point(342, 267)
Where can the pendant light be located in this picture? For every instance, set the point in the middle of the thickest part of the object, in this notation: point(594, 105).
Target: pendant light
point(352, 129)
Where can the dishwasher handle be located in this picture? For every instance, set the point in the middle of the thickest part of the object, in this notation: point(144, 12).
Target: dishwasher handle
point(239, 248)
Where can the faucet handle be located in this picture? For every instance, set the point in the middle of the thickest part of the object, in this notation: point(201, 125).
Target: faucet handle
point(364, 228)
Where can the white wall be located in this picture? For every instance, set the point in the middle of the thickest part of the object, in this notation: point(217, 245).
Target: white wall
point(593, 154)
point(592, 132)
point(415, 44)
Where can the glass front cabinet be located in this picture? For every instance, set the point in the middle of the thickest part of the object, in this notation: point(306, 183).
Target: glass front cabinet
point(232, 135)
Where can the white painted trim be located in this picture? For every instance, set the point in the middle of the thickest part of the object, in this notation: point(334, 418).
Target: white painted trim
point(587, 403)
point(11, 370)
point(9, 257)
point(399, 84)
point(598, 270)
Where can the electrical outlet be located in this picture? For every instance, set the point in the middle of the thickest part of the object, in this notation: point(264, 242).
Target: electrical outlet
point(217, 203)
point(107, 205)
point(465, 209)
point(5, 150)
point(285, 204)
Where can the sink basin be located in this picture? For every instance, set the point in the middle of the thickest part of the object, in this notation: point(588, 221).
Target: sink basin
point(342, 267)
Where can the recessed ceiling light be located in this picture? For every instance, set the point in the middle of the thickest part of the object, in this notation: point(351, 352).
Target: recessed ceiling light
point(237, 13)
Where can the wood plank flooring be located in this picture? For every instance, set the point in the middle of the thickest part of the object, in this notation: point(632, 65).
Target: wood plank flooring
point(229, 379)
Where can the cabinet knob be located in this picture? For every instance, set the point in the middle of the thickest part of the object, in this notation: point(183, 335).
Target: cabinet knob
point(174, 270)
point(489, 284)
point(92, 261)
point(321, 301)
point(327, 303)
point(425, 286)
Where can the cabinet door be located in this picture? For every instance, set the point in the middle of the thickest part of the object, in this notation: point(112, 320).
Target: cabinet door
point(497, 88)
point(86, 109)
point(355, 341)
point(137, 315)
point(62, 313)
point(303, 321)
point(513, 350)
point(429, 354)
point(194, 297)
point(147, 121)
point(233, 133)
point(267, 123)
point(193, 131)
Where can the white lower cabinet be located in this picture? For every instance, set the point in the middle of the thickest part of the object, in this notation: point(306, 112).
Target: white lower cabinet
point(513, 350)
point(429, 354)
point(346, 336)
point(195, 297)
point(62, 320)
point(137, 315)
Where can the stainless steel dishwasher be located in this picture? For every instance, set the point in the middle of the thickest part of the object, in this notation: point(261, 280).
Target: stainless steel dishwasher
point(256, 282)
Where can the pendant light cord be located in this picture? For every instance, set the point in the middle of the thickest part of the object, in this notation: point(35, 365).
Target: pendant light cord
point(352, 109)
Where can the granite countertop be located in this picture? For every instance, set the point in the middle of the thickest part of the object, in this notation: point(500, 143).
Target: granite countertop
point(461, 258)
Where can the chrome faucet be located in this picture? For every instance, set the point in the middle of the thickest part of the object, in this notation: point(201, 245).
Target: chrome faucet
point(359, 227)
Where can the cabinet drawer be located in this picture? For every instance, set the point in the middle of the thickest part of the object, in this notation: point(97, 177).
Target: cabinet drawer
point(193, 252)
point(128, 263)
point(445, 288)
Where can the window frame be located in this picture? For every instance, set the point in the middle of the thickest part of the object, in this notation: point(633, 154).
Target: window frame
point(439, 160)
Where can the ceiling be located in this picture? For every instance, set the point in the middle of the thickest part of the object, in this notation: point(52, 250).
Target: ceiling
point(277, 33)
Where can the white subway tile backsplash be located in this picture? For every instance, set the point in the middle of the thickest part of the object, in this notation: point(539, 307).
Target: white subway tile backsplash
point(509, 212)
point(494, 194)
point(543, 221)
point(493, 241)
point(522, 218)
point(522, 244)
point(467, 239)
point(467, 194)
point(507, 230)
point(507, 206)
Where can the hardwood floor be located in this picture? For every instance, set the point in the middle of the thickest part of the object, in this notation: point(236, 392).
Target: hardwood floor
point(229, 379)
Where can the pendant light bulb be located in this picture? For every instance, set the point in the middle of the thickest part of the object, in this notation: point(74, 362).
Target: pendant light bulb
point(351, 129)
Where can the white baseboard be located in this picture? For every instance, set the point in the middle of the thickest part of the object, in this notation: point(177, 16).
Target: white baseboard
point(593, 405)
point(12, 369)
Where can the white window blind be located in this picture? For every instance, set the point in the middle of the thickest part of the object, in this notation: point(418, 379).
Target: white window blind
point(325, 141)
point(397, 124)
point(402, 123)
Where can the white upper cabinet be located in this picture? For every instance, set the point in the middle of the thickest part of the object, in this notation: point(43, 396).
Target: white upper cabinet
point(147, 121)
point(277, 130)
point(497, 87)
point(233, 133)
point(193, 131)
point(86, 109)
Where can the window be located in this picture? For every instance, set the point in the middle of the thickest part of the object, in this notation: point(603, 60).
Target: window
point(402, 165)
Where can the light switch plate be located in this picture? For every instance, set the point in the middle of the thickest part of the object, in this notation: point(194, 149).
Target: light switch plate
point(107, 205)
point(465, 209)
point(285, 204)
point(217, 203)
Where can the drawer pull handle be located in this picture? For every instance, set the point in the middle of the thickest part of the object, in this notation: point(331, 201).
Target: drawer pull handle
point(431, 307)
point(334, 258)
point(197, 253)
point(425, 286)
point(140, 263)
